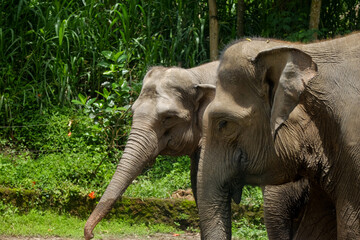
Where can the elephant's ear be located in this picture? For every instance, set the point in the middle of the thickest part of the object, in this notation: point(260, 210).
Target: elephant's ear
point(287, 72)
point(205, 93)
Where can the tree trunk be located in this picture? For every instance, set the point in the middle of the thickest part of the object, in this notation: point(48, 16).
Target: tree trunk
point(214, 30)
point(240, 18)
point(315, 16)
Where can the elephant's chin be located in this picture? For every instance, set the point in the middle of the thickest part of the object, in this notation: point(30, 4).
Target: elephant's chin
point(172, 150)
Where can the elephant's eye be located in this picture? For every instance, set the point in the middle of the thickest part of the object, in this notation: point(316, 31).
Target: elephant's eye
point(170, 120)
point(166, 119)
point(222, 124)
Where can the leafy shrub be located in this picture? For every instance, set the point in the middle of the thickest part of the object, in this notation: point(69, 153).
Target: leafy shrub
point(74, 173)
point(167, 175)
point(55, 171)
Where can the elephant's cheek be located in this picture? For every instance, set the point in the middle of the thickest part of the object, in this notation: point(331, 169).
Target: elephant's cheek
point(180, 142)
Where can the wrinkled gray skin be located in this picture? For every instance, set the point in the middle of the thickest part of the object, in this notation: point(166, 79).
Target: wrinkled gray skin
point(285, 112)
point(167, 119)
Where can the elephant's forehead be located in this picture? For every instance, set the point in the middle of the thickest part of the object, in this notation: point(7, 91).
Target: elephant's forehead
point(167, 80)
point(150, 92)
point(227, 106)
point(156, 92)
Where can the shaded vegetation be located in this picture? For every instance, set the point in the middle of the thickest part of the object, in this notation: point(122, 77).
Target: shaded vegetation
point(52, 51)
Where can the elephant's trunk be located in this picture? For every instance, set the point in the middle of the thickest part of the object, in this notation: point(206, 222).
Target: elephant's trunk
point(214, 204)
point(141, 148)
point(215, 215)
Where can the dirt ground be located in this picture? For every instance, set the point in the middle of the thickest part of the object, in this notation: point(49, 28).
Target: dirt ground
point(184, 236)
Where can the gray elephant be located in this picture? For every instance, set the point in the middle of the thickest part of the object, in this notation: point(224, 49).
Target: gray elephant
point(167, 120)
point(284, 112)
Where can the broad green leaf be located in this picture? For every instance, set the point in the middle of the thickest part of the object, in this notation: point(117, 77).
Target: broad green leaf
point(117, 56)
point(76, 102)
point(103, 64)
point(91, 101)
point(112, 67)
point(108, 73)
point(107, 54)
point(121, 58)
point(82, 99)
point(122, 108)
point(106, 93)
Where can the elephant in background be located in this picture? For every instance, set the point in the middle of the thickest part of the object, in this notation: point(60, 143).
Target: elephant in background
point(167, 118)
point(285, 112)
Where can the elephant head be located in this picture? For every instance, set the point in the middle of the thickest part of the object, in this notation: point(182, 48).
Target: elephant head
point(167, 119)
point(259, 86)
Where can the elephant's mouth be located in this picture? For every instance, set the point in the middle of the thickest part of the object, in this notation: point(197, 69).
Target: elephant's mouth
point(241, 160)
point(236, 187)
point(171, 148)
point(237, 183)
point(178, 147)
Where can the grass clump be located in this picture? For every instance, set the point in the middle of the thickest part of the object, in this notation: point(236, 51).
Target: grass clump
point(245, 229)
point(49, 224)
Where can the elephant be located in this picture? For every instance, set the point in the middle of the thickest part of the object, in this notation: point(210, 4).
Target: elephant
point(169, 112)
point(167, 118)
point(285, 113)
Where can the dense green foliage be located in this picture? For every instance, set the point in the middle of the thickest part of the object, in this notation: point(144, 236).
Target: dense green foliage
point(55, 52)
point(288, 20)
point(50, 51)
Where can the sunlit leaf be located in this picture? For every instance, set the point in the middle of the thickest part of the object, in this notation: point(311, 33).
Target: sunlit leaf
point(107, 54)
point(76, 102)
point(121, 59)
point(103, 64)
point(91, 101)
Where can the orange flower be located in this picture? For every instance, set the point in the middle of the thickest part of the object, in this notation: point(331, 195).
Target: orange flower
point(92, 195)
point(33, 183)
point(69, 134)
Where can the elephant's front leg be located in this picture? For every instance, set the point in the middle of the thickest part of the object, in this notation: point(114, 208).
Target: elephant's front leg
point(348, 219)
point(284, 206)
point(194, 170)
point(319, 218)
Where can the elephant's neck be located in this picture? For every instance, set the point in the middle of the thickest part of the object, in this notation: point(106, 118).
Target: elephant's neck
point(303, 146)
point(295, 142)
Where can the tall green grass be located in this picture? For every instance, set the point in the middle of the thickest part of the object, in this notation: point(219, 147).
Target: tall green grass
point(50, 51)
